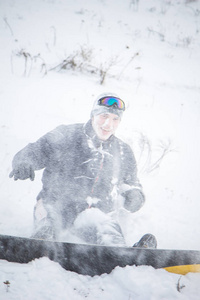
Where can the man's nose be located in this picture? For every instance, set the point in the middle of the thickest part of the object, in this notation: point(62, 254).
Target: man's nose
point(108, 123)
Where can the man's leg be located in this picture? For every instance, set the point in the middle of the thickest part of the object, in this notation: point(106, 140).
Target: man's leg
point(110, 233)
point(51, 217)
point(46, 221)
point(95, 227)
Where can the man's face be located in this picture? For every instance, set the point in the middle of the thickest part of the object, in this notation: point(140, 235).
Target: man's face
point(105, 125)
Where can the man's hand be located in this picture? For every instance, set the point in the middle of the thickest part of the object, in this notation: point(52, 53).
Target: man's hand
point(134, 199)
point(23, 171)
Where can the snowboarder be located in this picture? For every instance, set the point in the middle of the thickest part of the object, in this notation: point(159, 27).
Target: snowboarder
point(87, 171)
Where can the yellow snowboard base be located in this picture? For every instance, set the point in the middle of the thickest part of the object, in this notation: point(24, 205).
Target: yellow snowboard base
point(184, 269)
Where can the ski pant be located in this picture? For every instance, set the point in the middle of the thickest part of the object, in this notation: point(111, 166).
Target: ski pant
point(91, 225)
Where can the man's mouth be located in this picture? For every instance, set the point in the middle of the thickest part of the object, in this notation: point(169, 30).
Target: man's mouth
point(105, 130)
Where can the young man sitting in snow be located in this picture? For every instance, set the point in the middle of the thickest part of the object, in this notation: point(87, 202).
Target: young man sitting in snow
point(86, 170)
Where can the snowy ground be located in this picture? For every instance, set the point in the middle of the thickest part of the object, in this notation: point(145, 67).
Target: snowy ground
point(146, 51)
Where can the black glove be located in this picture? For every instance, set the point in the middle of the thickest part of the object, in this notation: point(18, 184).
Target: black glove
point(134, 199)
point(23, 171)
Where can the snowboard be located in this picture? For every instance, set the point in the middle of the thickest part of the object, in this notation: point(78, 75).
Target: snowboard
point(95, 259)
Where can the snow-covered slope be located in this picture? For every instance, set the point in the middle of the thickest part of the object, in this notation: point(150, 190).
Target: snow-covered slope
point(56, 57)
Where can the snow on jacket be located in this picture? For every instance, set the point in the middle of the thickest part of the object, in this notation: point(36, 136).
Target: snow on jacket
point(78, 166)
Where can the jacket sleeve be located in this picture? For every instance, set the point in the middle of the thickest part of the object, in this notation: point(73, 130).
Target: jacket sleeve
point(39, 153)
point(131, 188)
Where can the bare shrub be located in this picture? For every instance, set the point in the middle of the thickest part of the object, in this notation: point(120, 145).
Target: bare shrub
point(29, 61)
point(160, 34)
point(179, 287)
point(82, 60)
point(150, 157)
point(134, 4)
point(8, 25)
point(105, 68)
point(78, 60)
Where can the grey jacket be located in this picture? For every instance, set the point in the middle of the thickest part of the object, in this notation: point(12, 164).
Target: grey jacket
point(77, 165)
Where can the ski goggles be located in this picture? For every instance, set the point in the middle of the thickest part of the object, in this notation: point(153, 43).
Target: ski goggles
point(112, 101)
